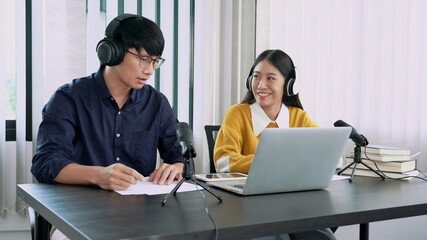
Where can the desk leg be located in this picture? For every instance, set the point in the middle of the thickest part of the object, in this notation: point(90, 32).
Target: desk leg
point(364, 231)
point(42, 228)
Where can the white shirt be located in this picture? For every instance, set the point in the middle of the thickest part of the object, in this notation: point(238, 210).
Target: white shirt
point(260, 120)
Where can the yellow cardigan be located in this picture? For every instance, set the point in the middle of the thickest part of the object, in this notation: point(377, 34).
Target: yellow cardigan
point(236, 143)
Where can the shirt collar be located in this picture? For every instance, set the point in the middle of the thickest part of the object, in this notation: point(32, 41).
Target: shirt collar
point(260, 120)
point(102, 88)
point(132, 96)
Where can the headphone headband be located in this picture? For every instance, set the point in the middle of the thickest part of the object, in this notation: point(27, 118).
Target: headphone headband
point(114, 24)
point(110, 52)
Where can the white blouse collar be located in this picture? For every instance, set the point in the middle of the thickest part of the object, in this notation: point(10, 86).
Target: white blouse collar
point(260, 120)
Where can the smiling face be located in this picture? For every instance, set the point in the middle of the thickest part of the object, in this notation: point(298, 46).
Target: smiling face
point(267, 85)
point(129, 72)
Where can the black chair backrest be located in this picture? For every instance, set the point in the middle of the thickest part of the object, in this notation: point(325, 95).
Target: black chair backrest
point(211, 133)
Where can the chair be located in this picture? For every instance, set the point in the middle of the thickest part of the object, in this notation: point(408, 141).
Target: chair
point(39, 226)
point(211, 133)
point(32, 215)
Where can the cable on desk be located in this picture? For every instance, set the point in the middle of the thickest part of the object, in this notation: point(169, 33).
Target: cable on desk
point(207, 210)
point(400, 178)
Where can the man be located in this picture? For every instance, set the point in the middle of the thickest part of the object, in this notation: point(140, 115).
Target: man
point(105, 129)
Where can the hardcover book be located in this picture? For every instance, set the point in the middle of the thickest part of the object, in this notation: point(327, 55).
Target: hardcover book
point(369, 173)
point(386, 150)
point(384, 158)
point(393, 166)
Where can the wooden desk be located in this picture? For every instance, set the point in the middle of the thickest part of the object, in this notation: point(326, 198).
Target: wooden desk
point(83, 212)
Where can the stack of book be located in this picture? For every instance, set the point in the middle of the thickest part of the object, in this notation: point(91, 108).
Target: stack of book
point(394, 162)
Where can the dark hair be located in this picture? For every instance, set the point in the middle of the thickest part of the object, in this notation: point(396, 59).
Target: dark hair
point(286, 67)
point(140, 32)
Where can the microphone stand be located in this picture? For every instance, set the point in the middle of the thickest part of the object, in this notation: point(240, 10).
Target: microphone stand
point(188, 174)
point(357, 158)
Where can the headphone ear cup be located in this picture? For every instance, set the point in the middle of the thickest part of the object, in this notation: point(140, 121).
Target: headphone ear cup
point(249, 83)
point(290, 88)
point(109, 52)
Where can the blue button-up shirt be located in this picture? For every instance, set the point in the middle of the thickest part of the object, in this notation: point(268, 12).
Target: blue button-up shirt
point(83, 124)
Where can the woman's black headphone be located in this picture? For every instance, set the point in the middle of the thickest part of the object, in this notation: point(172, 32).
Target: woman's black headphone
point(110, 52)
point(289, 88)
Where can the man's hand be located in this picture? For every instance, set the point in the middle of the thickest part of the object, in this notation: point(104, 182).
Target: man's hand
point(166, 173)
point(118, 177)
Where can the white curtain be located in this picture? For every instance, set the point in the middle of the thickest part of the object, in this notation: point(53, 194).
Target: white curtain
point(224, 52)
point(364, 62)
point(2, 110)
point(15, 156)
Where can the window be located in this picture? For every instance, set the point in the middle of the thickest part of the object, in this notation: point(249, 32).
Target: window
point(9, 60)
point(9, 69)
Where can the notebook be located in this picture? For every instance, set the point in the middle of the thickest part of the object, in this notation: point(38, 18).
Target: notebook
point(292, 159)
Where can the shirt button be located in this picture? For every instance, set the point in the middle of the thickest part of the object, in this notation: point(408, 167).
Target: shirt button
point(119, 112)
point(118, 159)
point(112, 99)
point(118, 134)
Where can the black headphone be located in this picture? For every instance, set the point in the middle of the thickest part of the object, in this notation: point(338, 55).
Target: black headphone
point(289, 85)
point(110, 52)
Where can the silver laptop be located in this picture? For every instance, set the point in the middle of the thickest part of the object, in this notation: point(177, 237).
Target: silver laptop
point(293, 159)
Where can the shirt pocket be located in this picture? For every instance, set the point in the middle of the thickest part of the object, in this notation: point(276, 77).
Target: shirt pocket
point(145, 150)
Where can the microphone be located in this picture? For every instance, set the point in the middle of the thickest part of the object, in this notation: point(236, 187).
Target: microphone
point(185, 139)
point(357, 138)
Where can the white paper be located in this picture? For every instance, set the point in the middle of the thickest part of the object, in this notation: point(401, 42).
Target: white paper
point(339, 177)
point(150, 188)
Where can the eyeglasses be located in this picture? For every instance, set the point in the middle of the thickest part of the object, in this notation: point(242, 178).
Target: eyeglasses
point(144, 61)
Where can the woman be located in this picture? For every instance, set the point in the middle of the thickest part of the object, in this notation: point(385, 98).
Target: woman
point(271, 102)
